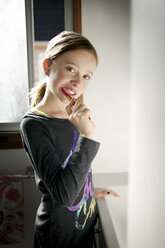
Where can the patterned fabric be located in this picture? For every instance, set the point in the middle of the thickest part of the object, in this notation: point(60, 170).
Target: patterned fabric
point(11, 210)
point(88, 189)
point(71, 151)
point(82, 205)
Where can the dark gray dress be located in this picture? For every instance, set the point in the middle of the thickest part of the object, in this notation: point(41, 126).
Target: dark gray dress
point(62, 161)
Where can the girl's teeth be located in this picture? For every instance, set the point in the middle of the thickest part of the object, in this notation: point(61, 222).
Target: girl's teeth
point(69, 91)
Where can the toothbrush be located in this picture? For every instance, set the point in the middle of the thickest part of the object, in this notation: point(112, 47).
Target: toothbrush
point(69, 98)
point(66, 94)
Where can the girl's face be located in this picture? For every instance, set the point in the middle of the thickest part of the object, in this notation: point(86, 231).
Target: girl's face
point(71, 71)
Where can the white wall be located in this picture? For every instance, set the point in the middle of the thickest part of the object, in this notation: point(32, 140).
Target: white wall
point(106, 24)
point(146, 222)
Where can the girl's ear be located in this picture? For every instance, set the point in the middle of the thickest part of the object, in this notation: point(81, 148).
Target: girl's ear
point(46, 66)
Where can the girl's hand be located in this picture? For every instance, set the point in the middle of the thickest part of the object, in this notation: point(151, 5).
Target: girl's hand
point(79, 115)
point(101, 193)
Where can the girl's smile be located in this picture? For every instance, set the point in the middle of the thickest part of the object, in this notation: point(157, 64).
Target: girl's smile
point(68, 93)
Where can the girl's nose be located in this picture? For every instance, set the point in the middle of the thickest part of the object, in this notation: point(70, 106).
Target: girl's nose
point(76, 80)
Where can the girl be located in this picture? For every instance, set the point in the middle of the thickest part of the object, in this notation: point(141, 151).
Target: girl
point(57, 134)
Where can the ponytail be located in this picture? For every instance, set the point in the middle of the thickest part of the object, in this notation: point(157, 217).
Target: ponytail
point(37, 93)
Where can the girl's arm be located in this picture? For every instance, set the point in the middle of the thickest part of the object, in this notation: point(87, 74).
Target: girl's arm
point(64, 184)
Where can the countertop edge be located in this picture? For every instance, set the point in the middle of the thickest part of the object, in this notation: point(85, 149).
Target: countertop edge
point(107, 224)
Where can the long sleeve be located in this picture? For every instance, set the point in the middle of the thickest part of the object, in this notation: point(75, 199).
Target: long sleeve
point(64, 183)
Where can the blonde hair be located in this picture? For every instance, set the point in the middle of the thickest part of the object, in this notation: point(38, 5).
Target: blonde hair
point(63, 42)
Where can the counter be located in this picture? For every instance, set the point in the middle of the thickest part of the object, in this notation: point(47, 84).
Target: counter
point(113, 210)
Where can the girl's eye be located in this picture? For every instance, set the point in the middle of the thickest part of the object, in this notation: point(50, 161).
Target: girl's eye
point(86, 77)
point(71, 69)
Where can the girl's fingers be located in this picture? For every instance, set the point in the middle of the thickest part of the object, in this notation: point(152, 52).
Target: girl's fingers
point(78, 108)
point(101, 192)
point(81, 111)
point(112, 193)
point(74, 107)
point(70, 106)
point(79, 116)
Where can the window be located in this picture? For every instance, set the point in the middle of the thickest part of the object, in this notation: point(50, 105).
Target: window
point(15, 42)
point(17, 49)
